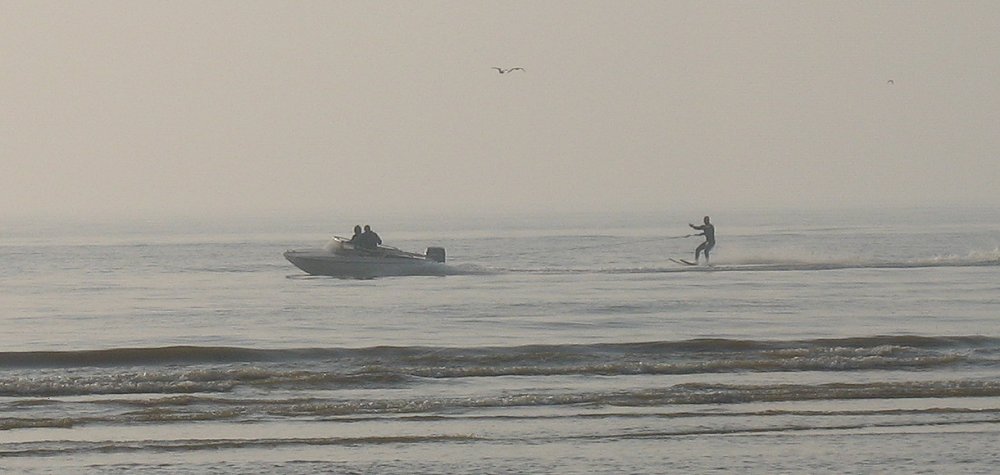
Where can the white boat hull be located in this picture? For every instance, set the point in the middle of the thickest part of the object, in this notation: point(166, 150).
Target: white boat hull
point(324, 262)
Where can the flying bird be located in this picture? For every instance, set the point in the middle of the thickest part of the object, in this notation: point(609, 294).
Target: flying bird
point(505, 71)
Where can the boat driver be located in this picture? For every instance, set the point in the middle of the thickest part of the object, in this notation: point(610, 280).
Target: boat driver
point(369, 239)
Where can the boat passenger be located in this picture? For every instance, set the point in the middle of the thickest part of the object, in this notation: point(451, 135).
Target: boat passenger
point(369, 239)
point(356, 238)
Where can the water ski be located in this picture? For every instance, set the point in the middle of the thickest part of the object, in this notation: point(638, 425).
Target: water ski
point(684, 261)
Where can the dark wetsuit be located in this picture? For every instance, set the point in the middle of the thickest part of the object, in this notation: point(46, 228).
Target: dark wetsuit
point(369, 240)
point(707, 230)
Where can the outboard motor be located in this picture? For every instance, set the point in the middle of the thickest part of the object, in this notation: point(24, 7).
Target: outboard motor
point(435, 254)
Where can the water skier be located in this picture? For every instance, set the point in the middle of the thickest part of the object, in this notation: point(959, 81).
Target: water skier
point(707, 230)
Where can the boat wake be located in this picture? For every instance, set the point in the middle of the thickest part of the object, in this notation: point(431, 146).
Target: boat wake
point(759, 263)
point(748, 262)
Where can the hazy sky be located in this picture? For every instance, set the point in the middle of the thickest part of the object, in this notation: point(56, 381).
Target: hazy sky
point(132, 108)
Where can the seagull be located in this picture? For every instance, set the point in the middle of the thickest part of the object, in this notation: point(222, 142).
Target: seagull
point(505, 71)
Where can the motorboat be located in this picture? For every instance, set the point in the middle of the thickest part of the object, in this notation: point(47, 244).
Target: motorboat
point(342, 258)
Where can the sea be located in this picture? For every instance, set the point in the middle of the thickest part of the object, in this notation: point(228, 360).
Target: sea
point(836, 341)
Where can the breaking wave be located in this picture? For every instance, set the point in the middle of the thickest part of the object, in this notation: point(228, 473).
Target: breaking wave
point(192, 369)
point(202, 408)
point(172, 355)
point(192, 384)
